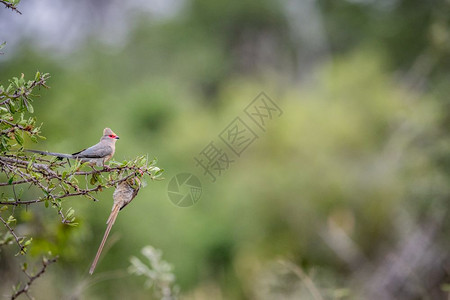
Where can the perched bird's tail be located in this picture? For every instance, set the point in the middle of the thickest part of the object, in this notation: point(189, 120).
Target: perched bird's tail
point(110, 222)
point(61, 155)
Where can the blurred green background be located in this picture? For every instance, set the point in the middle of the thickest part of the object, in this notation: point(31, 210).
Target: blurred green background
point(345, 196)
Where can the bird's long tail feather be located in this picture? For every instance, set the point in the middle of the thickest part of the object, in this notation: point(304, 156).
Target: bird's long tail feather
point(62, 155)
point(110, 222)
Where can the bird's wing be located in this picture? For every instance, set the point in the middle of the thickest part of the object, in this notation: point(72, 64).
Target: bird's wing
point(96, 151)
point(76, 153)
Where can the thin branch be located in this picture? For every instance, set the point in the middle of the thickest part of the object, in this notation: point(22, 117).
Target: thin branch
point(13, 127)
point(22, 248)
point(84, 192)
point(25, 92)
point(14, 182)
point(11, 6)
point(32, 278)
point(25, 163)
point(309, 284)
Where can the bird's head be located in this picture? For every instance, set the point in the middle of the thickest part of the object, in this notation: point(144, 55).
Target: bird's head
point(108, 134)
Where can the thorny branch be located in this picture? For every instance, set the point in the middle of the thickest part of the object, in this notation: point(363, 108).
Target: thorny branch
point(31, 278)
point(66, 183)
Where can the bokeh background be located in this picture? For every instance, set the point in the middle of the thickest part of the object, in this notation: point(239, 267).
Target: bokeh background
point(345, 196)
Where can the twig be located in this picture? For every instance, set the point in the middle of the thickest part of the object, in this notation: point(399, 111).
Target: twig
point(309, 284)
point(11, 6)
point(25, 163)
point(25, 92)
point(32, 278)
point(22, 248)
point(79, 192)
point(14, 182)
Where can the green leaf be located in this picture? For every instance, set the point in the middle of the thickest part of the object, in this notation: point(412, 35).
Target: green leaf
point(11, 107)
point(29, 107)
point(10, 219)
point(28, 242)
point(94, 179)
point(11, 180)
point(30, 164)
point(159, 172)
point(70, 213)
point(16, 287)
point(18, 136)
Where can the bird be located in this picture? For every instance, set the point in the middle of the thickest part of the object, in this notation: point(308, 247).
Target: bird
point(98, 154)
point(123, 195)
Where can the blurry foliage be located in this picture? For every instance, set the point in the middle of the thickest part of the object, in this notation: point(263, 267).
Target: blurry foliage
point(359, 158)
point(158, 273)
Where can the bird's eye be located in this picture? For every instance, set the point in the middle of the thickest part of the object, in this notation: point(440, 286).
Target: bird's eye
point(111, 136)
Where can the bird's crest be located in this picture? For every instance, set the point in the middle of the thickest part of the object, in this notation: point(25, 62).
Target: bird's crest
point(108, 131)
point(109, 134)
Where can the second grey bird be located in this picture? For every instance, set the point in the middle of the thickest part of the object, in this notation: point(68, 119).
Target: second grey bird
point(123, 195)
point(95, 155)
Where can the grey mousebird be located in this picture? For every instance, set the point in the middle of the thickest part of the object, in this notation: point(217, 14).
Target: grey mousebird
point(95, 155)
point(123, 194)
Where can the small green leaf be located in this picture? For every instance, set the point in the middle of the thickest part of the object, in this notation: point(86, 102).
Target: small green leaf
point(28, 106)
point(16, 287)
point(94, 179)
point(159, 172)
point(11, 219)
point(18, 136)
point(70, 213)
point(30, 164)
point(11, 107)
point(28, 242)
